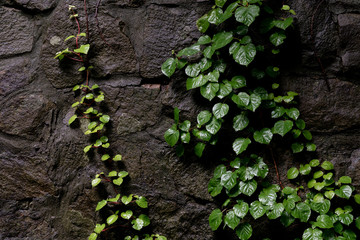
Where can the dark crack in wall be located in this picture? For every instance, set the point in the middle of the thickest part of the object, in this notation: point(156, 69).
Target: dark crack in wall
point(45, 190)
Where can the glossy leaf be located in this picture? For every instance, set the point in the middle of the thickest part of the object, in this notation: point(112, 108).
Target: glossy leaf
point(292, 173)
point(199, 148)
point(196, 82)
point(240, 145)
point(221, 39)
point(283, 127)
point(244, 231)
point(231, 220)
point(228, 180)
point(111, 219)
point(215, 219)
point(127, 215)
point(240, 122)
point(245, 54)
point(214, 126)
point(344, 192)
point(220, 110)
point(241, 209)
point(172, 135)
point(209, 90)
point(203, 117)
point(277, 38)
point(247, 15)
point(312, 234)
point(257, 210)
point(248, 188)
point(302, 211)
point(263, 136)
point(189, 51)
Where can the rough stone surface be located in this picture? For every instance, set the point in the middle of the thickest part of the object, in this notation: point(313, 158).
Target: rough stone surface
point(45, 190)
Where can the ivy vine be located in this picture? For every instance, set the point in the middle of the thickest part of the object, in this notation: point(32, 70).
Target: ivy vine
point(234, 65)
point(125, 210)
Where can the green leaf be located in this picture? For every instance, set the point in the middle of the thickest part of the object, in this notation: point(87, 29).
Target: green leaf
point(104, 118)
point(310, 147)
point(247, 15)
point(205, 64)
point(255, 101)
point(345, 180)
point(292, 173)
point(87, 148)
point(196, 82)
point(293, 113)
point(168, 67)
point(276, 211)
point(100, 205)
point(99, 227)
point(321, 207)
point(95, 182)
point(111, 219)
point(307, 134)
point(126, 215)
point(302, 211)
point(238, 82)
point(176, 115)
point(215, 16)
point(240, 122)
point(324, 221)
point(209, 90)
point(327, 165)
point(329, 194)
point(283, 24)
point(185, 126)
point(172, 135)
point(215, 219)
point(220, 3)
point(92, 236)
point(203, 117)
point(277, 38)
point(242, 99)
point(142, 202)
point(189, 51)
point(228, 180)
point(283, 127)
point(314, 163)
point(344, 192)
point(84, 49)
point(220, 110)
point(240, 145)
point(202, 135)
point(214, 187)
point(263, 136)
point(199, 148)
point(204, 40)
point(257, 210)
point(297, 147)
point(278, 112)
point(203, 23)
point(72, 119)
point(300, 124)
point(248, 187)
point(193, 70)
point(346, 218)
point(118, 181)
point(245, 54)
point(231, 220)
point(318, 174)
point(286, 219)
point(357, 222)
point(312, 234)
point(112, 174)
point(357, 198)
point(140, 222)
point(214, 126)
point(241, 209)
point(81, 69)
point(305, 169)
point(126, 199)
point(244, 231)
point(221, 39)
point(117, 157)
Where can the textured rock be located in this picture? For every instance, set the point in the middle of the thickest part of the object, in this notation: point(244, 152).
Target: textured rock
point(40, 5)
point(16, 36)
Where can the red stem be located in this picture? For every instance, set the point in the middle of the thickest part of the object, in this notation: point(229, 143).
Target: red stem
point(78, 60)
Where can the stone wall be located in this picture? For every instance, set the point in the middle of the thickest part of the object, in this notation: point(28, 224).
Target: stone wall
point(45, 190)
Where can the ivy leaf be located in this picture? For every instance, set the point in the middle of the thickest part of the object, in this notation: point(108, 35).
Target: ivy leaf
point(221, 39)
point(215, 219)
point(345, 180)
point(314, 163)
point(72, 119)
point(293, 113)
point(205, 64)
point(209, 90)
point(346, 218)
point(118, 181)
point(292, 173)
point(257, 210)
point(95, 182)
point(193, 70)
point(225, 89)
point(307, 134)
point(142, 202)
point(240, 145)
point(244, 231)
point(344, 191)
point(203, 23)
point(126, 199)
point(277, 38)
point(297, 147)
point(185, 126)
point(286, 219)
point(105, 119)
point(220, 3)
point(326, 165)
point(312, 234)
point(214, 126)
point(324, 221)
point(140, 222)
point(263, 136)
point(283, 24)
point(247, 15)
point(238, 82)
point(220, 110)
point(92, 236)
point(84, 49)
point(100, 205)
point(245, 54)
point(228, 12)
point(204, 40)
point(302, 211)
point(278, 112)
point(199, 148)
point(276, 211)
point(189, 51)
point(305, 169)
point(255, 101)
point(111, 219)
point(196, 82)
point(172, 135)
point(241, 209)
point(229, 180)
point(126, 215)
point(99, 227)
point(117, 157)
point(202, 135)
point(248, 187)
point(203, 117)
point(321, 207)
point(283, 127)
point(214, 187)
point(240, 122)
point(215, 16)
point(242, 99)
point(231, 220)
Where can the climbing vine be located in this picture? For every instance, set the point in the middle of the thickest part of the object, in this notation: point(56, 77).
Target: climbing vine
point(124, 210)
point(234, 65)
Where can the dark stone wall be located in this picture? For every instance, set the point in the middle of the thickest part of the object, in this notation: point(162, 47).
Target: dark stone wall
point(45, 190)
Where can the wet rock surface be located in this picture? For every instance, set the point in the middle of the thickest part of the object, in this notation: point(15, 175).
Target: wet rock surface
point(44, 175)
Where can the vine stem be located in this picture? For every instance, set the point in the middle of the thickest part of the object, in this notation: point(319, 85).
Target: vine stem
point(97, 22)
point(314, 46)
point(124, 226)
point(276, 168)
